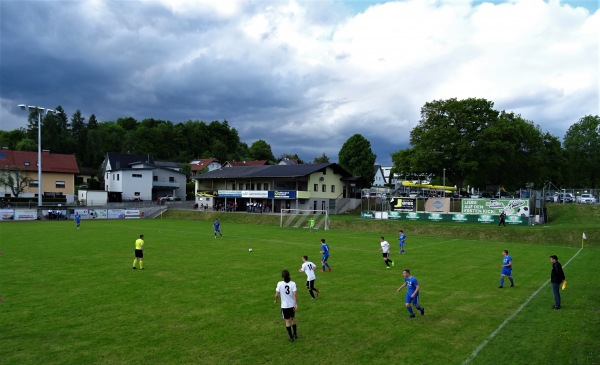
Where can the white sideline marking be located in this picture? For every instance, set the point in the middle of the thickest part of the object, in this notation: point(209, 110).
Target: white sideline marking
point(493, 334)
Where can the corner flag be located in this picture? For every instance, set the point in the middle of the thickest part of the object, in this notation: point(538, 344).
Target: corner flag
point(583, 238)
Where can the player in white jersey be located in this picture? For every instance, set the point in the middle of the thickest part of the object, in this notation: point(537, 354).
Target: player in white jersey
point(289, 303)
point(385, 249)
point(309, 269)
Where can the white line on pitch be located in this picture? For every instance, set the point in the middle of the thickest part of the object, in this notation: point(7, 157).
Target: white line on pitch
point(497, 330)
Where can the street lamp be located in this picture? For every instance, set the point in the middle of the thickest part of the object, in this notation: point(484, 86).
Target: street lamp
point(39, 111)
point(444, 183)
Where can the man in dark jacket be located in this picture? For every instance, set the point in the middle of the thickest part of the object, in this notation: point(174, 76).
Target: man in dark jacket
point(557, 276)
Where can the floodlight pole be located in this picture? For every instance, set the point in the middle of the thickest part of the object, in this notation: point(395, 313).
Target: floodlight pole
point(39, 111)
point(444, 183)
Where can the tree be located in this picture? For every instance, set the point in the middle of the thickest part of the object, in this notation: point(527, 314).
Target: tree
point(10, 139)
point(508, 153)
point(357, 158)
point(27, 144)
point(261, 150)
point(13, 178)
point(447, 137)
point(321, 159)
point(582, 149)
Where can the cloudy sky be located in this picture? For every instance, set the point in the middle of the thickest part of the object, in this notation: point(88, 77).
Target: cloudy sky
point(303, 75)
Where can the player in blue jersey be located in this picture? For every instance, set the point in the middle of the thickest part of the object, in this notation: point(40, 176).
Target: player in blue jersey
point(77, 219)
point(412, 293)
point(506, 269)
point(217, 226)
point(401, 239)
point(325, 253)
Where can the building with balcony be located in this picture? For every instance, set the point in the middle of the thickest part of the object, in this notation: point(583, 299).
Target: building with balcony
point(134, 177)
point(323, 186)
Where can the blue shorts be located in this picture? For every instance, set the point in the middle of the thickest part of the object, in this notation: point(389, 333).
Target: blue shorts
point(506, 271)
point(414, 300)
point(324, 258)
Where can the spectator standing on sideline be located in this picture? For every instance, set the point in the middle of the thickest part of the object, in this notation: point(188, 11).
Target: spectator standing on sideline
point(506, 269)
point(325, 257)
point(502, 219)
point(77, 219)
point(289, 303)
point(557, 276)
point(412, 293)
point(309, 269)
point(217, 226)
point(139, 252)
point(401, 239)
point(385, 250)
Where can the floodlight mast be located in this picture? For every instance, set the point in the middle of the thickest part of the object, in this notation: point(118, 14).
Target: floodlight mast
point(39, 110)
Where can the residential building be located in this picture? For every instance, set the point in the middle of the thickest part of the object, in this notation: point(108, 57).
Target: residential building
point(245, 163)
point(58, 173)
point(200, 164)
point(379, 179)
point(131, 177)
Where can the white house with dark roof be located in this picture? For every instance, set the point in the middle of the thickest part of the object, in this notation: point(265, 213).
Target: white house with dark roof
point(379, 179)
point(130, 177)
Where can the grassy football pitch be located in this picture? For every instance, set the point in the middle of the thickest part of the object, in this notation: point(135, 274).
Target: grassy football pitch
point(71, 297)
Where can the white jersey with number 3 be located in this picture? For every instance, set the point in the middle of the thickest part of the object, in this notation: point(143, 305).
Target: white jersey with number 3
point(309, 269)
point(286, 292)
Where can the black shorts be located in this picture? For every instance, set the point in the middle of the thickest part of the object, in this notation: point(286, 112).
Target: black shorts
point(139, 254)
point(310, 284)
point(288, 313)
point(385, 255)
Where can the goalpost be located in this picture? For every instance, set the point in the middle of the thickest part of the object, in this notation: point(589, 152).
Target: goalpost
point(300, 218)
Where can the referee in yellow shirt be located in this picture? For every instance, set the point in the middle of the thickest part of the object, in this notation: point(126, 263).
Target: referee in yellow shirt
point(139, 252)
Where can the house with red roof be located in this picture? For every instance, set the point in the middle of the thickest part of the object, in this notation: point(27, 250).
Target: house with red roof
point(58, 173)
point(246, 163)
point(200, 164)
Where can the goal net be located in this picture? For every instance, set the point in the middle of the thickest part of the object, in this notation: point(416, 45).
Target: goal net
point(300, 218)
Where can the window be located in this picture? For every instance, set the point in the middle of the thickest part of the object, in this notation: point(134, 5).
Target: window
point(33, 183)
point(266, 186)
point(241, 186)
point(137, 193)
point(155, 178)
point(60, 184)
point(316, 187)
point(171, 179)
point(333, 188)
point(324, 188)
point(251, 186)
point(118, 177)
point(113, 177)
point(26, 163)
point(233, 186)
point(137, 175)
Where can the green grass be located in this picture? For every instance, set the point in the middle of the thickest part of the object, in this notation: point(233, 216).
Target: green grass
point(71, 297)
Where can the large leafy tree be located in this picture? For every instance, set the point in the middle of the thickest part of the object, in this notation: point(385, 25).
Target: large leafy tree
point(356, 157)
point(582, 149)
point(508, 153)
point(261, 150)
point(10, 139)
point(447, 136)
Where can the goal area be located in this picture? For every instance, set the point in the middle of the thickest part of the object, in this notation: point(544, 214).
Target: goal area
point(300, 218)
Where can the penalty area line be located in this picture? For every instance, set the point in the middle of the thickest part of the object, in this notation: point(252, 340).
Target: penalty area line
point(513, 315)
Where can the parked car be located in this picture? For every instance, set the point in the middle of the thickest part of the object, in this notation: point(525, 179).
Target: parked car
point(549, 197)
point(564, 198)
point(586, 198)
point(168, 197)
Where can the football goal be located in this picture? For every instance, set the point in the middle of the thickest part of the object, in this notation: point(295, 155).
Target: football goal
point(300, 218)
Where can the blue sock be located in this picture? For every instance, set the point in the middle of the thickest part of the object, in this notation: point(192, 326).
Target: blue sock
point(502, 282)
point(419, 307)
point(511, 281)
point(327, 265)
point(409, 309)
point(323, 267)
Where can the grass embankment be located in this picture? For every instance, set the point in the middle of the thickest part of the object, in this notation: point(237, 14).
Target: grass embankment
point(567, 223)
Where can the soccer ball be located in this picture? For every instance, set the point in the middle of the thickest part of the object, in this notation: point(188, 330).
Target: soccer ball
point(249, 250)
